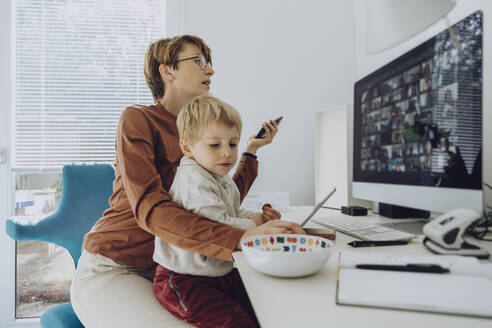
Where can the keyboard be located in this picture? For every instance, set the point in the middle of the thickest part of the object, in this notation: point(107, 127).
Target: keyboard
point(360, 229)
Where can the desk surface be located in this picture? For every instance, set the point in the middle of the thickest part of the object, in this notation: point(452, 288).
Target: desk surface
point(310, 301)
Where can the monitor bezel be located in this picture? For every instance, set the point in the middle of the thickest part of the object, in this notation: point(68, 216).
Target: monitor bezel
point(404, 62)
point(433, 198)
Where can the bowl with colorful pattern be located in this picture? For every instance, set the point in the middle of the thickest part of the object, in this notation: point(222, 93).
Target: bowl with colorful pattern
point(287, 255)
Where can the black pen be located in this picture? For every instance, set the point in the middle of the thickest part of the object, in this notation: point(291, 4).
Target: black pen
point(411, 267)
point(369, 243)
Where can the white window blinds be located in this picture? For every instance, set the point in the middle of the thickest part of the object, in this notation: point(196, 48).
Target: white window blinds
point(79, 63)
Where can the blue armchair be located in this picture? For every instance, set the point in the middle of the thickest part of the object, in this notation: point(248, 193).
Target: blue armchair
point(85, 194)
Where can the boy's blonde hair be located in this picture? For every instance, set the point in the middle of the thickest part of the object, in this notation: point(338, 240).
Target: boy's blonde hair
point(203, 111)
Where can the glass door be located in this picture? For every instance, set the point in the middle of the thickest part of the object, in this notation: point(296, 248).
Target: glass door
point(7, 245)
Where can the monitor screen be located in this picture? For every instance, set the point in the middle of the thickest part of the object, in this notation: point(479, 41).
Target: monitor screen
point(418, 119)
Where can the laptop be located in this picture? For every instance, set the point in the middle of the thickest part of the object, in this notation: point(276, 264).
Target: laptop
point(318, 206)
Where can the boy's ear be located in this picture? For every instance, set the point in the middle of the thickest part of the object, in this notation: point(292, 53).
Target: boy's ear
point(165, 72)
point(185, 148)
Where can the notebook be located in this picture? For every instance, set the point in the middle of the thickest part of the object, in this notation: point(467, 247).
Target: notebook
point(465, 290)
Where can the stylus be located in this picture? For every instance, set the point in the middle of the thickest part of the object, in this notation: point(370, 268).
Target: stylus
point(418, 267)
point(371, 243)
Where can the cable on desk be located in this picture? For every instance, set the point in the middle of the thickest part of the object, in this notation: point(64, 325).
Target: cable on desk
point(331, 208)
point(480, 228)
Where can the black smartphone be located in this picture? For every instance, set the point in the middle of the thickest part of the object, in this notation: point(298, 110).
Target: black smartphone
point(261, 133)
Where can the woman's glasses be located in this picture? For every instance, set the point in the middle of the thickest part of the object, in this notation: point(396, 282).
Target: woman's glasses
point(200, 60)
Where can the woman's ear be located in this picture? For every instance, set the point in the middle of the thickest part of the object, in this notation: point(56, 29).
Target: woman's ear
point(185, 148)
point(165, 72)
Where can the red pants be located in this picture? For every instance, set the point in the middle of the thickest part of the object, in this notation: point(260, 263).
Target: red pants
point(205, 301)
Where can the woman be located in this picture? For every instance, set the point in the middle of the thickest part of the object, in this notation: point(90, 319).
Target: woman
point(112, 285)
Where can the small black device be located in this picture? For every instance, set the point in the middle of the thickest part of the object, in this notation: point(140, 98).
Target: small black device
point(261, 133)
point(354, 210)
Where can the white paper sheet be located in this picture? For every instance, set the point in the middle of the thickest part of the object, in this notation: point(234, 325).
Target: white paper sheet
point(279, 200)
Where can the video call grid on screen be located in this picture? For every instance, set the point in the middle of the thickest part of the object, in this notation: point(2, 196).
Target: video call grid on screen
point(418, 119)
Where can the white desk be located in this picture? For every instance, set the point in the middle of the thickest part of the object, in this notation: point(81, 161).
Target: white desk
point(310, 301)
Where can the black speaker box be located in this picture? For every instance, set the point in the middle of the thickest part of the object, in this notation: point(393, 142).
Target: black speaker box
point(400, 212)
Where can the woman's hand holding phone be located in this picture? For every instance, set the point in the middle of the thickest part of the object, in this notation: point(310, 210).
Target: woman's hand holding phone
point(264, 136)
point(261, 133)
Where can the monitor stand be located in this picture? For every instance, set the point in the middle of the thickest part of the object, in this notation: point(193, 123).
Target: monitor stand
point(400, 212)
point(415, 227)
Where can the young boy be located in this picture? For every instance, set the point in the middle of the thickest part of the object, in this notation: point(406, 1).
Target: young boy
point(206, 291)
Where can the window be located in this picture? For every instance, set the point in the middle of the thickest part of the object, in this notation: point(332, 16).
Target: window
point(78, 64)
point(43, 271)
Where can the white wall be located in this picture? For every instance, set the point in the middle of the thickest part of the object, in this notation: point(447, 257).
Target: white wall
point(278, 57)
point(365, 63)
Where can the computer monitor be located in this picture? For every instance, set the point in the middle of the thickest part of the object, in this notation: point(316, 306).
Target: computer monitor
point(418, 125)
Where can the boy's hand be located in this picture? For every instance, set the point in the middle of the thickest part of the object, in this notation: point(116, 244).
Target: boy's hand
point(257, 219)
point(269, 213)
point(271, 129)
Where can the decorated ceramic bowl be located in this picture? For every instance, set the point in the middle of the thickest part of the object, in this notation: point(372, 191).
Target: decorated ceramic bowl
point(287, 255)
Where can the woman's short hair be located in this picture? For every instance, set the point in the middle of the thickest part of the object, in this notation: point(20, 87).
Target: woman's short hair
point(202, 111)
point(166, 51)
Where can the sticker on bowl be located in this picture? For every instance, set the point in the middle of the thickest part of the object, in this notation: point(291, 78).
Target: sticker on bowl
point(287, 244)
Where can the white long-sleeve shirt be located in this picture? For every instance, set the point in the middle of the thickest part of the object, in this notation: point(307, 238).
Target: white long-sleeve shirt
point(209, 195)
